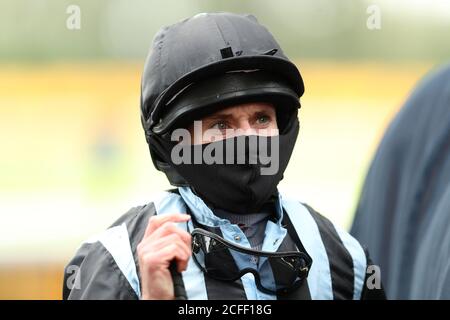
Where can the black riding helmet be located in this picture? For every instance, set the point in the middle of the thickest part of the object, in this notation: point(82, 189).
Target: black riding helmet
point(208, 62)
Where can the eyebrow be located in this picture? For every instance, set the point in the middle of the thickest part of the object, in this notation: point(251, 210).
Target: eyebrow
point(219, 116)
point(224, 114)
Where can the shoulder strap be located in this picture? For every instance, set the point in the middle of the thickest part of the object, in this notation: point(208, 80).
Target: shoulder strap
point(302, 293)
point(287, 223)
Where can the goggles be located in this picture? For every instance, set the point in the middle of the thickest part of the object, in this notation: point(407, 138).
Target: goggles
point(275, 272)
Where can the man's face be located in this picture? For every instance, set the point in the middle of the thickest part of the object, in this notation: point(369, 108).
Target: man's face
point(248, 118)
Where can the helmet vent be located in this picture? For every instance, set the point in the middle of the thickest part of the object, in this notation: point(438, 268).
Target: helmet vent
point(226, 52)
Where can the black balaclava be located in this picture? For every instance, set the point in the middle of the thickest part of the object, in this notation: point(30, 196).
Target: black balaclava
point(236, 187)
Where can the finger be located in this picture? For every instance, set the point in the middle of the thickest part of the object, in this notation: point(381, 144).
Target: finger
point(181, 258)
point(182, 265)
point(165, 256)
point(164, 242)
point(156, 221)
point(162, 249)
point(170, 228)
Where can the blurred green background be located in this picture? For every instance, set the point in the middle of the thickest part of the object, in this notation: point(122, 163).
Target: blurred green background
point(73, 154)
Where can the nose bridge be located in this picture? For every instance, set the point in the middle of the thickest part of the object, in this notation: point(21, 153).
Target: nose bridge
point(244, 123)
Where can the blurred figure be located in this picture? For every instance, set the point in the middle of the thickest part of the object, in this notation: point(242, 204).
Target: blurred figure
point(403, 215)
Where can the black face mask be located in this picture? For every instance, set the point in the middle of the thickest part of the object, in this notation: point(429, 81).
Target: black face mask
point(232, 185)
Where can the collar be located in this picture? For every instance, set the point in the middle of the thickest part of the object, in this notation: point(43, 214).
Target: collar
point(204, 215)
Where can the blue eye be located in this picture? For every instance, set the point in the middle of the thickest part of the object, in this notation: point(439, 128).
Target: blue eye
point(221, 125)
point(263, 119)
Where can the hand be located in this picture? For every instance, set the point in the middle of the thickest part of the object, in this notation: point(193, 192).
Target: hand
point(163, 242)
